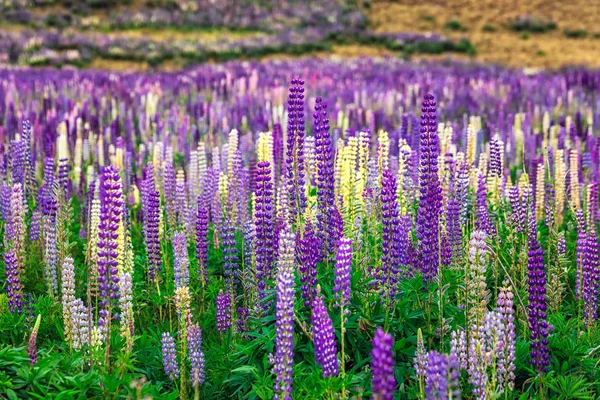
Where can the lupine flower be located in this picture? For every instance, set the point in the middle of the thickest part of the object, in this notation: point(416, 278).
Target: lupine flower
point(110, 217)
point(536, 275)
point(181, 267)
point(263, 214)
point(582, 242)
point(324, 338)
point(382, 366)
point(242, 319)
point(126, 306)
point(223, 312)
point(29, 308)
point(151, 228)
point(506, 366)
point(477, 288)
point(68, 295)
point(483, 221)
point(325, 176)
point(230, 257)
point(458, 346)
point(591, 277)
point(283, 361)
point(343, 269)
point(430, 200)
point(518, 215)
point(420, 360)
point(388, 276)
point(202, 243)
point(14, 289)
point(32, 344)
point(169, 354)
point(308, 254)
point(442, 376)
point(196, 355)
point(295, 148)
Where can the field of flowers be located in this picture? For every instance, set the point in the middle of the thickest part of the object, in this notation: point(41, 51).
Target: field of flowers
point(304, 229)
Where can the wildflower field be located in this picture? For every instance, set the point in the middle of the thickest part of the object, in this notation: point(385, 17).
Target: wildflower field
point(301, 229)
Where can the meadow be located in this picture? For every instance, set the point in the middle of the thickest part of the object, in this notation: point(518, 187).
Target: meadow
point(300, 229)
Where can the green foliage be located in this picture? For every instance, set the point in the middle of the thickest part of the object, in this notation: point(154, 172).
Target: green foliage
point(575, 33)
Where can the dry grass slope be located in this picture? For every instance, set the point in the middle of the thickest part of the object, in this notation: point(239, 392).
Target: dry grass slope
point(477, 18)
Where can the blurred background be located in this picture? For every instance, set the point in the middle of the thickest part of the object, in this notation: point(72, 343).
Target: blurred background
point(173, 34)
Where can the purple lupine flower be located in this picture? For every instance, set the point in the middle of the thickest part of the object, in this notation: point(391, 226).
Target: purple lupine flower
point(324, 338)
point(223, 312)
point(29, 309)
point(170, 193)
point(325, 177)
point(442, 376)
point(169, 354)
point(581, 253)
point(420, 359)
point(196, 355)
point(506, 365)
point(5, 193)
point(14, 289)
point(63, 177)
point(265, 227)
point(591, 276)
point(202, 243)
point(592, 203)
point(430, 200)
point(295, 149)
point(453, 228)
point(495, 157)
point(151, 229)
point(536, 275)
point(483, 221)
point(518, 214)
point(15, 225)
point(405, 243)
point(32, 343)
point(283, 361)
point(50, 256)
point(181, 271)
point(230, 257)
point(388, 275)
point(382, 366)
point(477, 362)
point(111, 212)
point(242, 319)
point(308, 254)
point(343, 270)
point(18, 162)
point(180, 203)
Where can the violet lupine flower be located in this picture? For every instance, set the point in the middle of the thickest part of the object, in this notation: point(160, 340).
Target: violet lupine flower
point(196, 355)
point(495, 158)
point(506, 366)
point(581, 253)
point(18, 162)
point(202, 243)
point(324, 338)
point(170, 193)
point(50, 256)
point(223, 302)
point(308, 254)
point(590, 277)
point(442, 376)
point(5, 193)
point(152, 224)
point(477, 361)
point(169, 354)
point(420, 359)
point(180, 203)
point(111, 211)
point(181, 266)
point(382, 366)
point(265, 227)
point(295, 149)
point(325, 176)
point(63, 177)
point(388, 276)
point(538, 323)
point(15, 225)
point(14, 289)
point(483, 221)
point(405, 243)
point(32, 343)
point(453, 228)
point(343, 269)
point(430, 202)
point(29, 309)
point(283, 361)
point(518, 214)
point(230, 257)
